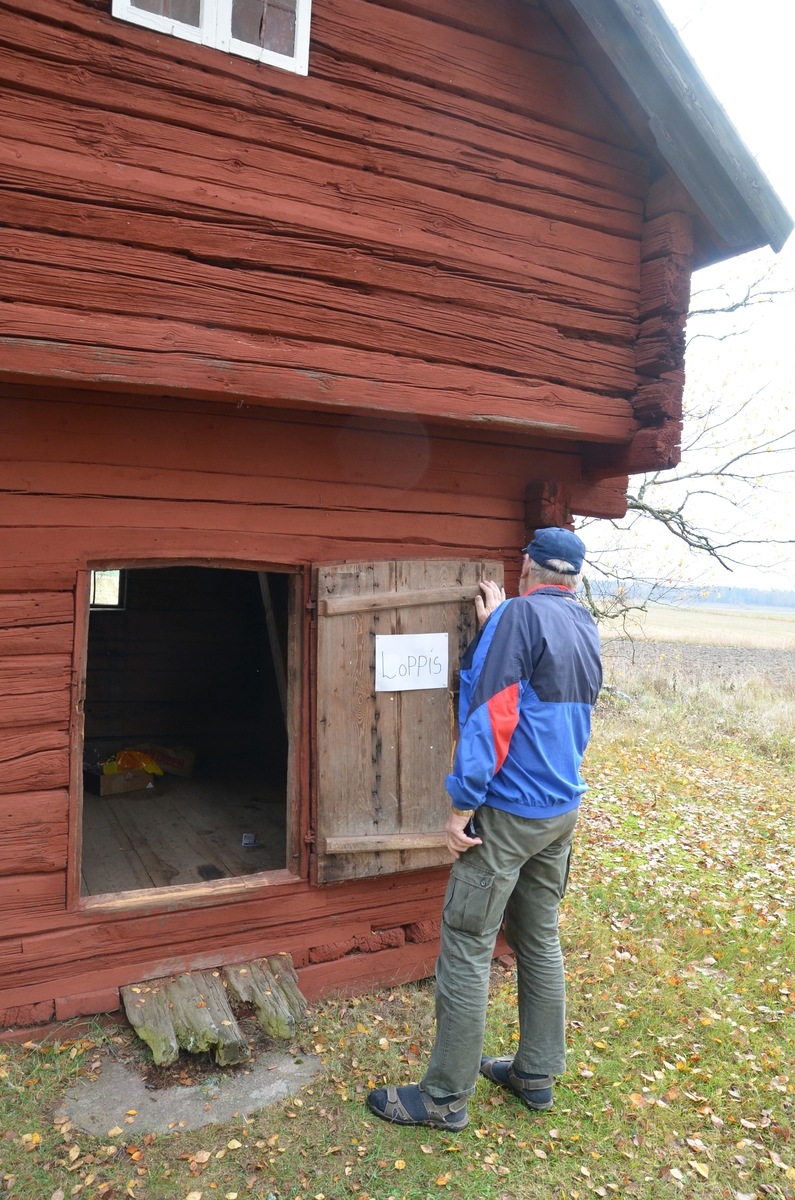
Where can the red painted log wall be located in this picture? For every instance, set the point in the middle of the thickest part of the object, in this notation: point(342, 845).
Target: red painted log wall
point(87, 479)
point(444, 218)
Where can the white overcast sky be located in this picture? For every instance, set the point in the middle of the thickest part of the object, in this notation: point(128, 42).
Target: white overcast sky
point(745, 53)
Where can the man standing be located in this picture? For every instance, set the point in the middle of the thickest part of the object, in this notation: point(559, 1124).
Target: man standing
point(528, 684)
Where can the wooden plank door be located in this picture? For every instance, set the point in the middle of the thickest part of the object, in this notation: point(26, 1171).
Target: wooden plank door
point(382, 757)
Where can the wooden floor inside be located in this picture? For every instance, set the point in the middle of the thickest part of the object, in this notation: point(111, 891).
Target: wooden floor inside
point(182, 831)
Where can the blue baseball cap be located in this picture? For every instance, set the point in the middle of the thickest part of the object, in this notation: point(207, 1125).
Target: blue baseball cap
point(560, 544)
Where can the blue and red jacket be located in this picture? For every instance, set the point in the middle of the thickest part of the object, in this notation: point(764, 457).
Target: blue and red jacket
point(528, 684)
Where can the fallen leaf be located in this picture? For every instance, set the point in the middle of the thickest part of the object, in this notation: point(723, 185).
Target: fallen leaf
point(700, 1168)
point(74, 1152)
point(115, 1131)
point(57, 1195)
point(443, 1180)
point(132, 1112)
point(426, 1149)
point(400, 1165)
point(234, 1144)
point(202, 1156)
point(539, 1153)
point(194, 1196)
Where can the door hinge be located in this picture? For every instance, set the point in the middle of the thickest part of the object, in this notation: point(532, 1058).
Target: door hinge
point(309, 837)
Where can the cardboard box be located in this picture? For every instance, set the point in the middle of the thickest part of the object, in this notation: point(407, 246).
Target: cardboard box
point(114, 785)
point(174, 760)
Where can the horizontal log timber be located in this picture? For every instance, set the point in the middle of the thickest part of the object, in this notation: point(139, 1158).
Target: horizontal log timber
point(40, 707)
point(162, 484)
point(23, 675)
point(110, 946)
point(35, 827)
point(667, 196)
point(142, 546)
point(606, 498)
point(665, 285)
point(217, 244)
point(657, 401)
point(150, 284)
point(562, 287)
point(455, 168)
point(102, 50)
point(31, 894)
point(667, 235)
point(191, 519)
point(660, 347)
point(35, 608)
point(507, 77)
point(330, 460)
point(38, 639)
point(182, 362)
point(182, 436)
point(334, 606)
point(467, 234)
point(511, 23)
point(387, 841)
point(655, 448)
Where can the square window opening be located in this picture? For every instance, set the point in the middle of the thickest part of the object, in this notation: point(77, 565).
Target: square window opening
point(107, 589)
point(191, 673)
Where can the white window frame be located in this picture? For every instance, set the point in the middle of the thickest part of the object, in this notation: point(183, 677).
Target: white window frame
point(216, 30)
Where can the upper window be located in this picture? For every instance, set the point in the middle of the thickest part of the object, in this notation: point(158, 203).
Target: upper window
point(270, 31)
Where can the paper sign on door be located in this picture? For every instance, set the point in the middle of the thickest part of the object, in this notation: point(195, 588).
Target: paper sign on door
point(410, 662)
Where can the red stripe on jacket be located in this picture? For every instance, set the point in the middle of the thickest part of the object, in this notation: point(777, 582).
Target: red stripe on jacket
point(504, 717)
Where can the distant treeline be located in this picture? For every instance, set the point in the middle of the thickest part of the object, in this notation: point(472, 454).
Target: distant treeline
point(741, 597)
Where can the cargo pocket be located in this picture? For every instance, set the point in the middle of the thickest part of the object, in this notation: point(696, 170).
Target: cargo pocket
point(566, 875)
point(468, 903)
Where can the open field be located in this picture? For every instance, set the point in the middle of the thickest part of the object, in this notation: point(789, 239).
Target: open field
point(719, 626)
point(678, 933)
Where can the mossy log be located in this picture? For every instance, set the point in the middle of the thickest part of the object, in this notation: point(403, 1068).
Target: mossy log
point(149, 1012)
point(253, 983)
point(283, 971)
point(231, 1046)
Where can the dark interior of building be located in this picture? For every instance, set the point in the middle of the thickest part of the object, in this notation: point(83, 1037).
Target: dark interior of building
point(191, 661)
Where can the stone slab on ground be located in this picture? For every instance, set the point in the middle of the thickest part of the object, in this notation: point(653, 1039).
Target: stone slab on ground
point(98, 1106)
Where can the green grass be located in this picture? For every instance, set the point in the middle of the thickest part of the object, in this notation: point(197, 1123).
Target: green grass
point(679, 948)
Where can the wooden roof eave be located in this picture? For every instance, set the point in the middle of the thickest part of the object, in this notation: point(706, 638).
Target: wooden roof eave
point(690, 127)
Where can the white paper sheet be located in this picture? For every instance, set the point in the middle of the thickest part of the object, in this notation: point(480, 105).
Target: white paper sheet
point(410, 662)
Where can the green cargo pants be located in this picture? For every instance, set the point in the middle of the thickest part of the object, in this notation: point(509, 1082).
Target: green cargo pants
point(521, 871)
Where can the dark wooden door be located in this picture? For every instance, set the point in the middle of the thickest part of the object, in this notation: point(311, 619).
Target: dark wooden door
point(383, 756)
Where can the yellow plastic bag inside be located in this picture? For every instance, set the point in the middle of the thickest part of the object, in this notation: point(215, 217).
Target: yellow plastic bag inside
point(131, 760)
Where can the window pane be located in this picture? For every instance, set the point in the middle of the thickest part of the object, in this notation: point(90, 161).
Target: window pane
point(186, 11)
point(106, 588)
point(266, 23)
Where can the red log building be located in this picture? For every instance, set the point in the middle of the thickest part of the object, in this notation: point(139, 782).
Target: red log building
point(306, 318)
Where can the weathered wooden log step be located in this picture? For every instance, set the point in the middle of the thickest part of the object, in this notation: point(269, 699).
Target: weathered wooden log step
point(194, 1011)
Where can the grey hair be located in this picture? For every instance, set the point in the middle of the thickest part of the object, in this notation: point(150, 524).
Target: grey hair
point(557, 571)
